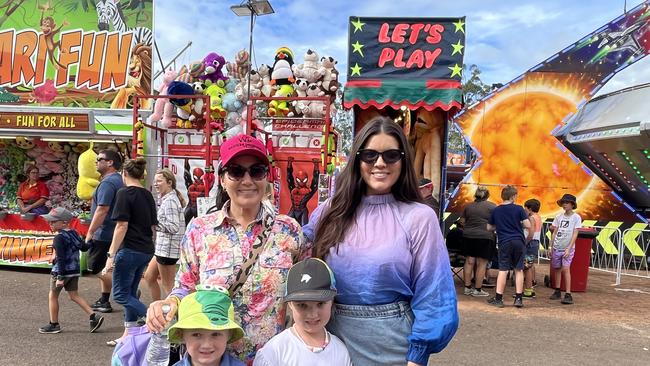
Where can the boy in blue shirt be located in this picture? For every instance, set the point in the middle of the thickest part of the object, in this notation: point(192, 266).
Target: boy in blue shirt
point(509, 219)
point(66, 270)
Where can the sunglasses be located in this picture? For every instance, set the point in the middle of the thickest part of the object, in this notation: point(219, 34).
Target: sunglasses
point(101, 159)
point(369, 156)
point(256, 172)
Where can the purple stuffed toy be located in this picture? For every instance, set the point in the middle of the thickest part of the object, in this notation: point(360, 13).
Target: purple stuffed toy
point(213, 64)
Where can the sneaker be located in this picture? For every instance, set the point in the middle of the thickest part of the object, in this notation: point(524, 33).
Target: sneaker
point(479, 293)
point(95, 322)
point(568, 299)
point(50, 329)
point(488, 284)
point(529, 295)
point(519, 302)
point(102, 306)
point(494, 302)
point(556, 295)
point(468, 291)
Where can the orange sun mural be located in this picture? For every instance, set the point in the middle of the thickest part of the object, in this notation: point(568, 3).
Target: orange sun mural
point(512, 133)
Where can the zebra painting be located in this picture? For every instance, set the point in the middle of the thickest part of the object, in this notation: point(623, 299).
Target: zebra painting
point(109, 13)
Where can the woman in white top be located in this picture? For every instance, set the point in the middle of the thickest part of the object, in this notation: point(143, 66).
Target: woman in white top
point(170, 230)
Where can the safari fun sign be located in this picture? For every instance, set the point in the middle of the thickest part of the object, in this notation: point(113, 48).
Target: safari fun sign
point(74, 53)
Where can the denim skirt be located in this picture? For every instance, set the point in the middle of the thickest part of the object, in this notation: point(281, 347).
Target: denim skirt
point(374, 334)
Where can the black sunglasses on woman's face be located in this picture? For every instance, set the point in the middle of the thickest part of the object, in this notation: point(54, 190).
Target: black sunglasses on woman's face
point(256, 172)
point(370, 156)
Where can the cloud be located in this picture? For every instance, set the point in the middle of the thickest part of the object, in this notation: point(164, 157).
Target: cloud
point(504, 38)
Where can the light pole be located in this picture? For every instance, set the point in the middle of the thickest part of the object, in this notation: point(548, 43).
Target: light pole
point(251, 8)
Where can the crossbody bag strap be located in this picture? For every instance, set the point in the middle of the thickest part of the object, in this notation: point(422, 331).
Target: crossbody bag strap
point(254, 254)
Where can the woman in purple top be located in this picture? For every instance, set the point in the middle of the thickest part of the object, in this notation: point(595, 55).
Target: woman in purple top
point(396, 302)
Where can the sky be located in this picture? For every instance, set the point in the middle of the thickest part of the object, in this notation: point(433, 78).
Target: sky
point(503, 38)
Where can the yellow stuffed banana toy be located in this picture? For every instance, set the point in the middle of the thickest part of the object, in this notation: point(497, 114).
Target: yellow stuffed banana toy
point(88, 175)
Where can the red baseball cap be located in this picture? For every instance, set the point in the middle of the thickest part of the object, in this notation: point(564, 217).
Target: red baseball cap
point(242, 145)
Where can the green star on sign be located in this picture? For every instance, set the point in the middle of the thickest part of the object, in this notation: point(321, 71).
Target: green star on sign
point(458, 48)
point(358, 26)
point(459, 26)
point(356, 69)
point(357, 48)
point(456, 70)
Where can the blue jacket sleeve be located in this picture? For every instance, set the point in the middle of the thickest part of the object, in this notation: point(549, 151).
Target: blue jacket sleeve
point(434, 296)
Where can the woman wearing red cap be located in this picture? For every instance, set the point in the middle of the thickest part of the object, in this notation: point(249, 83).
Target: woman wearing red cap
point(244, 247)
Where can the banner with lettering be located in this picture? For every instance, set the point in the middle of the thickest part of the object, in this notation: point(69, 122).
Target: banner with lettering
point(26, 249)
point(412, 62)
point(95, 54)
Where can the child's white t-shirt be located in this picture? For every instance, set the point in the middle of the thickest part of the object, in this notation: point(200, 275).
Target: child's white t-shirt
point(285, 349)
point(565, 225)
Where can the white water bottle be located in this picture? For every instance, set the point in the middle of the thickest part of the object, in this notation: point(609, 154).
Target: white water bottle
point(158, 348)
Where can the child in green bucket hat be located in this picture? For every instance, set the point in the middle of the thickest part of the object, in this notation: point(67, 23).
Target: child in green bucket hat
point(206, 324)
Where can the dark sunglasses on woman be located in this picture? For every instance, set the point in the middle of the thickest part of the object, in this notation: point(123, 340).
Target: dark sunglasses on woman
point(370, 156)
point(256, 172)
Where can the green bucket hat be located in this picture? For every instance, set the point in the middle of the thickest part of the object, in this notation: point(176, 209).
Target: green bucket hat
point(207, 308)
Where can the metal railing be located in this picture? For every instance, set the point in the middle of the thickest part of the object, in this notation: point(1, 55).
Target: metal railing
point(623, 253)
point(636, 253)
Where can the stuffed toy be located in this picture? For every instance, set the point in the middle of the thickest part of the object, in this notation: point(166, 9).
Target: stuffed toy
point(281, 73)
point(301, 86)
point(213, 63)
point(216, 92)
point(184, 106)
point(310, 69)
point(241, 90)
point(88, 175)
point(163, 107)
point(428, 145)
point(314, 108)
point(24, 143)
point(331, 76)
point(265, 74)
point(58, 147)
point(191, 73)
point(241, 66)
point(280, 107)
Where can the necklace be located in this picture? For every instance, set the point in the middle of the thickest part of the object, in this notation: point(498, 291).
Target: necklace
point(312, 348)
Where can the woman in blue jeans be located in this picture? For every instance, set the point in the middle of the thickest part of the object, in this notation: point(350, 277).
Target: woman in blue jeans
point(396, 302)
point(132, 247)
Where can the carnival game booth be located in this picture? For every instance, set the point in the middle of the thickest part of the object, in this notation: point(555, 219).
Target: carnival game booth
point(410, 70)
point(61, 143)
point(302, 149)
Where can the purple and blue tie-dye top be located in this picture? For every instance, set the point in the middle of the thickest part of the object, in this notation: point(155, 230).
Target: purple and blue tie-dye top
point(395, 251)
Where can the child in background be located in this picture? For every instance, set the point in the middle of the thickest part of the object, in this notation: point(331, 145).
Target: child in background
point(310, 292)
point(206, 324)
point(66, 270)
point(533, 235)
point(565, 231)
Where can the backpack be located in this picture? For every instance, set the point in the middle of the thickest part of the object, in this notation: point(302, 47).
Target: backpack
point(132, 349)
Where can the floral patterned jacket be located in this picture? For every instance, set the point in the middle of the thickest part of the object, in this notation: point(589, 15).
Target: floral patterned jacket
point(213, 250)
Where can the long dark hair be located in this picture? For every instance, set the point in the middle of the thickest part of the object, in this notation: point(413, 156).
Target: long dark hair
point(350, 186)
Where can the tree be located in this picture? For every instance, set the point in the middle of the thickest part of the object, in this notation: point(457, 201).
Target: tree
point(473, 87)
point(343, 123)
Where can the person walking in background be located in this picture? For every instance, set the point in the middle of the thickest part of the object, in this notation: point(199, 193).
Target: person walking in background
point(66, 270)
point(533, 237)
point(509, 219)
point(132, 246)
point(169, 233)
point(479, 242)
point(100, 231)
point(565, 229)
point(32, 193)
point(243, 246)
point(426, 191)
point(396, 301)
